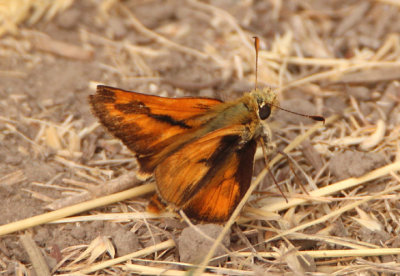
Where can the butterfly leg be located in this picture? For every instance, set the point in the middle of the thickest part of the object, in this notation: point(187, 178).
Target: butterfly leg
point(266, 136)
point(296, 177)
point(268, 147)
point(155, 205)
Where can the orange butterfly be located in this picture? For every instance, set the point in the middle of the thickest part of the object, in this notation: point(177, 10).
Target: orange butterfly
point(200, 151)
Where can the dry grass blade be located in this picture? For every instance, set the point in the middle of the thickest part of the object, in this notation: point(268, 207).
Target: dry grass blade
point(75, 209)
point(341, 241)
point(35, 255)
point(225, 16)
point(121, 217)
point(162, 40)
point(148, 270)
point(96, 248)
point(335, 213)
point(45, 43)
point(391, 2)
point(121, 183)
point(384, 268)
point(12, 178)
point(334, 188)
point(321, 254)
point(371, 71)
point(144, 252)
point(188, 267)
point(368, 221)
point(13, 13)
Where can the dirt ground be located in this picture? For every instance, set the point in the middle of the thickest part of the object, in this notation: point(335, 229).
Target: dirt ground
point(333, 58)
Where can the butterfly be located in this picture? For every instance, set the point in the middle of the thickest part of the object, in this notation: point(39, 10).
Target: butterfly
point(199, 151)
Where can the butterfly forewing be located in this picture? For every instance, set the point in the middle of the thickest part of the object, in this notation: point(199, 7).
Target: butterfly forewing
point(146, 124)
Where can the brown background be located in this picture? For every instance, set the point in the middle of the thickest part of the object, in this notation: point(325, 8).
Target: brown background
point(50, 63)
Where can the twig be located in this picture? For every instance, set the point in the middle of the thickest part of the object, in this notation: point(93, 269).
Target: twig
point(35, 255)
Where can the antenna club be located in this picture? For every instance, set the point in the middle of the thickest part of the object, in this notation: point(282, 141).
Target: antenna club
point(256, 47)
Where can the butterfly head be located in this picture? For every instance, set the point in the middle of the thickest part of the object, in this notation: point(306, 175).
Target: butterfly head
point(264, 100)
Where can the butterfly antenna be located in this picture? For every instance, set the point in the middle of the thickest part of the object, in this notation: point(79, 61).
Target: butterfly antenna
point(313, 117)
point(256, 47)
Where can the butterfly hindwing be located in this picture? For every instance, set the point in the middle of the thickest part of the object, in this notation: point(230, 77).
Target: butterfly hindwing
point(208, 177)
point(147, 124)
point(219, 198)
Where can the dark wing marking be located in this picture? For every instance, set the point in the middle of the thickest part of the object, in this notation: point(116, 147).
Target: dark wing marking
point(148, 124)
point(208, 177)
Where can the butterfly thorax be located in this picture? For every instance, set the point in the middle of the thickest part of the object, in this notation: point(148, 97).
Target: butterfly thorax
point(243, 112)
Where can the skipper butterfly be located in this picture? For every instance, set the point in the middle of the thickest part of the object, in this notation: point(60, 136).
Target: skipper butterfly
point(200, 151)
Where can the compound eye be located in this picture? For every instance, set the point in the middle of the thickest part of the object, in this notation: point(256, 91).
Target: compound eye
point(264, 111)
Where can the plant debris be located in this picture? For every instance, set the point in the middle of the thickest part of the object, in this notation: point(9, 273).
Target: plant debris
point(338, 59)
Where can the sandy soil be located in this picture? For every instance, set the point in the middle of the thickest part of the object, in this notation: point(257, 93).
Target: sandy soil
point(51, 147)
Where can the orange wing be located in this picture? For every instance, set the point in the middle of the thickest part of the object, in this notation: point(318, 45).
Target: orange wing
point(148, 124)
point(208, 177)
